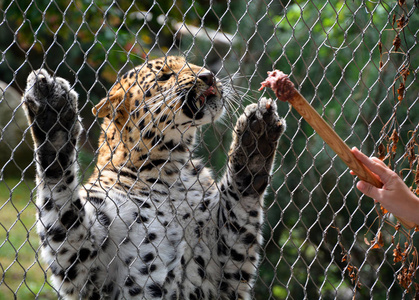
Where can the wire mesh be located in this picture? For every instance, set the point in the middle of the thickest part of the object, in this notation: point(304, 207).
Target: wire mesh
point(357, 64)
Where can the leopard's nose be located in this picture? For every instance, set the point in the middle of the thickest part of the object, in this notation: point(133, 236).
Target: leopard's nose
point(207, 77)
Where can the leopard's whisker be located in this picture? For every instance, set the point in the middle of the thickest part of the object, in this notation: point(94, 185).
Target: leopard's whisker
point(232, 101)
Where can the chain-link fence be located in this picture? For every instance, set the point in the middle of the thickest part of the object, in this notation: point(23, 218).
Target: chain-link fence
point(356, 62)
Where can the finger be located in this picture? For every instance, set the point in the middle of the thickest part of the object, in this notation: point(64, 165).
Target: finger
point(369, 190)
point(375, 175)
point(378, 167)
point(379, 161)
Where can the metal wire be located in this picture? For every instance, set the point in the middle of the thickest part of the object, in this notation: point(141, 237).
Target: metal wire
point(348, 58)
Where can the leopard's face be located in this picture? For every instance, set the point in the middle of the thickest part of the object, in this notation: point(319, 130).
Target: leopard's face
point(188, 91)
point(164, 91)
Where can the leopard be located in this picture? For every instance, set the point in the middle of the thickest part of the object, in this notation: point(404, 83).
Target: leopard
point(151, 222)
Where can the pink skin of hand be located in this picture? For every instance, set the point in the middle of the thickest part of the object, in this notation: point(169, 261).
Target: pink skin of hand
point(395, 196)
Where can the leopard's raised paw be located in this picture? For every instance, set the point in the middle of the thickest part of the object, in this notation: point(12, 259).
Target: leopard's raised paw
point(51, 106)
point(259, 128)
point(258, 119)
point(44, 90)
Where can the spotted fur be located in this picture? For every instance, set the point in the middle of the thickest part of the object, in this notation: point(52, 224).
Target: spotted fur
point(150, 222)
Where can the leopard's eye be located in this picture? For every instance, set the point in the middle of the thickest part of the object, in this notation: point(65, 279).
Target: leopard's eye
point(165, 76)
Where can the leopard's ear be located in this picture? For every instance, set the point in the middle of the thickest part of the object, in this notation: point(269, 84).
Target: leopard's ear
point(111, 105)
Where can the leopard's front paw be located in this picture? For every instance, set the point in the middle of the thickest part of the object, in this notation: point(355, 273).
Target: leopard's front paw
point(50, 104)
point(259, 128)
point(254, 143)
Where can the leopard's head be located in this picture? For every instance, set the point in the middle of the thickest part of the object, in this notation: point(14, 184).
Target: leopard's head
point(163, 91)
point(156, 107)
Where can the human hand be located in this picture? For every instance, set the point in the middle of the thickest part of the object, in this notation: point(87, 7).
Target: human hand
point(395, 196)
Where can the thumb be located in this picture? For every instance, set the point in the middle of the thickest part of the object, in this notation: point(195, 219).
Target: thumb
point(369, 190)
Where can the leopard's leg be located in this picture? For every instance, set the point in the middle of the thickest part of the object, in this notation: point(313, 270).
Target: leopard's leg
point(51, 108)
point(251, 157)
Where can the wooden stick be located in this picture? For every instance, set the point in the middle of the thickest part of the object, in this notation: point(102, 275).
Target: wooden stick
point(285, 91)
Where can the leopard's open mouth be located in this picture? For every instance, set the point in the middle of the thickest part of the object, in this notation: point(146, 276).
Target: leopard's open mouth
point(210, 92)
point(194, 100)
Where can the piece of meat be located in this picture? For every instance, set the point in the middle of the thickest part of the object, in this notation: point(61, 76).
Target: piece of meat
point(280, 84)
